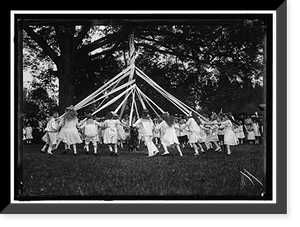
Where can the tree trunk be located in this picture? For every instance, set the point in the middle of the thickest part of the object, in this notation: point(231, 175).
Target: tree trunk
point(66, 69)
point(66, 91)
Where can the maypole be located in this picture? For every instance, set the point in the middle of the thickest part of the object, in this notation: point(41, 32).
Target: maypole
point(132, 56)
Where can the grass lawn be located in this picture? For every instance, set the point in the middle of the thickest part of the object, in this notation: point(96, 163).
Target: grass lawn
point(134, 174)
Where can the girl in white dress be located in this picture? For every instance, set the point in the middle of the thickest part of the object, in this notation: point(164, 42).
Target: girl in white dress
point(229, 135)
point(256, 131)
point(183, 138)
point(120, 132)
point(169, 136)
point(110, 136)
point(90, 132)
point(193, 124)
point(250, 133)
point(69, 133)
point(156, 134)
point(147, 126)
point(212, 136)
point(240, 132)
point(28, 133)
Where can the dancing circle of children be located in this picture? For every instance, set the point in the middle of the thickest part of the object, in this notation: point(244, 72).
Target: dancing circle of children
point(146, 126)
point(168, 134)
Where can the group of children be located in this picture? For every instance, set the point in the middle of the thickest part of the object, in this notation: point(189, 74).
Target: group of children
point(67, 129)
point(219, 133)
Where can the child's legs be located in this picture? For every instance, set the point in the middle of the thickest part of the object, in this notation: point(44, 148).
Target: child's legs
point(150, 145)
point(165, 148)
point(44, 147)
point(195, 147)
point(95, 145)
point(228, 149)
point(87, 144)
point(216, 144)
point(74, 148)
point(178, 149)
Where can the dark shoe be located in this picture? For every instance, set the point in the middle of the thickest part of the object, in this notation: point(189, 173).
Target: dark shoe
point(75, 154)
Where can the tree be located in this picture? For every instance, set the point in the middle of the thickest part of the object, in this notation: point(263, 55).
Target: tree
point(66, 47)
point(202, 58)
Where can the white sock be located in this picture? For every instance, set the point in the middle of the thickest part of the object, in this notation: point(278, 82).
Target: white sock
point(49, 150)
point(44, 147)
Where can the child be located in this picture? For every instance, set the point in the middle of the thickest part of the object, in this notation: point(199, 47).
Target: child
point(220, 132)
point(69, 133)
point(120, 132)
point(240, 132)
point(194, 129)
point(182, 138)
point(250, 133)
point(90, 132)
point(212, 136)
point(24, 134)
point(50, 137)
point(110, 136)
point(257, 134)
point(168, 133)
point(156, 134)
point(146, 125)
point(28, 133)
point(229, 136)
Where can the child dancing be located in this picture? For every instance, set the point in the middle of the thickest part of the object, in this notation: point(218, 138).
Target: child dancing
point(229, 135)
point(110, 136)
point(50, 137)
point(194, 129)
point(69, 133)
point(147, 127)
point(90, 131)
point(169, 136)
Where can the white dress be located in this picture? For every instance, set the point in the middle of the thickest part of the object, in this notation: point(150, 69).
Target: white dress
point(146, 126)
point(250, 132)
point(110, 133)
point(51, 132)
point(91, 131)
point(168, 133)
point(229, 135)
point(28, 132)
point(69, 133)
point(194, 130)
point(256, 129)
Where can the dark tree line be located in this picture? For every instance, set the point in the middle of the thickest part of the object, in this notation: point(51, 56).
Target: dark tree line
point(207, 65)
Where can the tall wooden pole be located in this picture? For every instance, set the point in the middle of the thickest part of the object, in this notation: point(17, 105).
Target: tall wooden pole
point(132, 56)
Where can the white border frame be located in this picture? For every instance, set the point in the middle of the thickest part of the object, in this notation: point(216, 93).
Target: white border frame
point(12, 107)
